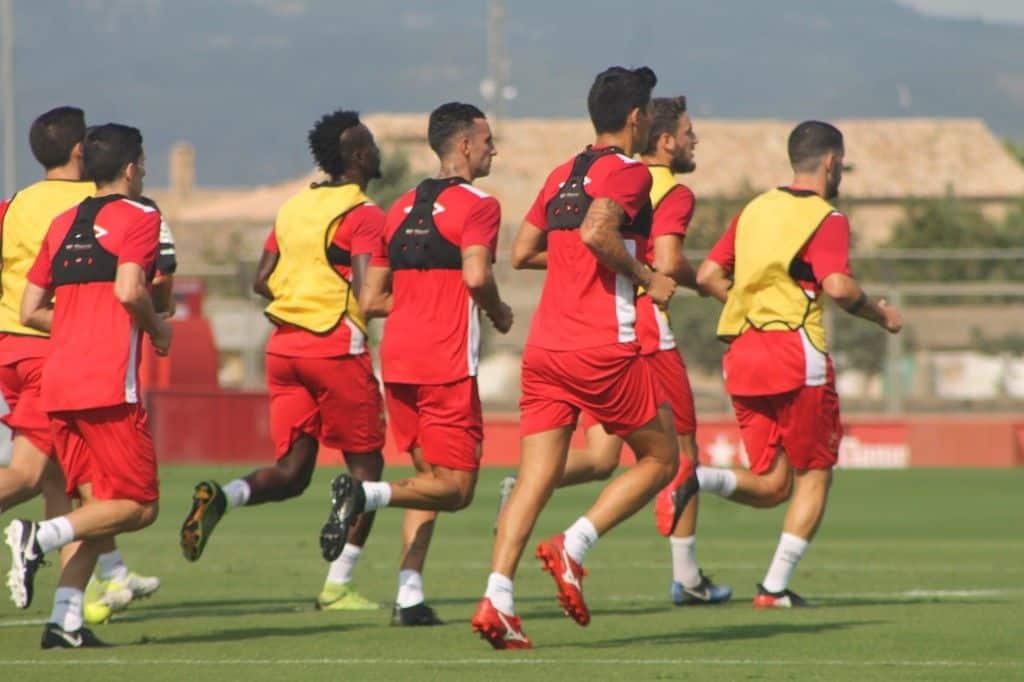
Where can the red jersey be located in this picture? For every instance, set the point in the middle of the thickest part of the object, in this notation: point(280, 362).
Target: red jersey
point(671, 217)
point(432, 335)
point(94, 357)
point(359, 232)
point(771, 362)
point(583, 303)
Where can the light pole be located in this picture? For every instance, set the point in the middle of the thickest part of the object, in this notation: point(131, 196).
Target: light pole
point(7, 92)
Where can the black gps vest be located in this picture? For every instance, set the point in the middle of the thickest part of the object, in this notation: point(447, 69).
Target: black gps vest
point(81, 259)
point(567, 209)
point(417, 243)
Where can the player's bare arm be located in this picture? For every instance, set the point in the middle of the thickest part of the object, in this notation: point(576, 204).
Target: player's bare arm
point(130, 289)
point(670, 260)
point(713, 280)
point(600, 233)
point(849, 296)
point(268, 261)
point(479, 278)
point(37, 307)
point(375, 299)
point(163, 295)
point(360, 264)
point(530, 250)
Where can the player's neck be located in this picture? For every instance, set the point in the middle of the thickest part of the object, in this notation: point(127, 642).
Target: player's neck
point(351, 178)
point(623, 139)
point(810, 183)
point(656, 160)
point(69, 171)
point(117, 187)
point(455, 168)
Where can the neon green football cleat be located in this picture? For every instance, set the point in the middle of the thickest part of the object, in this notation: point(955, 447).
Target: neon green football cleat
point(343, 597)
point(103, 598)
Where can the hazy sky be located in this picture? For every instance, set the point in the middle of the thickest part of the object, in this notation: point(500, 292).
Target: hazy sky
point(991, 10)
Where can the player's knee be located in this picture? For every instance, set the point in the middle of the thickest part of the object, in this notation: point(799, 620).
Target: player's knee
point(295, 484)
point(603, 469)
point(780, 491)
point(145, 514)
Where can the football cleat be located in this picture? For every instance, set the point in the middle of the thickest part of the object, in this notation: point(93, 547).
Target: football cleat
point(568, 577)
point(501, 630)
point(786, 599)
point(417, 614)
point(141, 586)
point(705, 593)
point(343, 597)
point(26, 558)
point(102, 599)
point(666, 512)
point(56, 637)
point(504, 492)
point(347, 501)
point(208, 506)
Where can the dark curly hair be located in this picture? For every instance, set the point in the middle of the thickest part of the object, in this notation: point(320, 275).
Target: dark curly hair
point(325, 141)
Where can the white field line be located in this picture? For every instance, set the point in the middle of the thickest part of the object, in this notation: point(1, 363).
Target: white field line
point(947, 595)
point(718, 566)
point(499, 659)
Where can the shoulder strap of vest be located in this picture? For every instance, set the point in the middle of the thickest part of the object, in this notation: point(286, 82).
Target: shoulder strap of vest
point(430, 189)
point(87, 261)
point(585, 159)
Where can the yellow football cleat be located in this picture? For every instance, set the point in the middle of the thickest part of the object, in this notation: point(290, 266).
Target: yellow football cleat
point(343, 597)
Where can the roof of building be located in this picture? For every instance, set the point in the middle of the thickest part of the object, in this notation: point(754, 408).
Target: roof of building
point(892, 159)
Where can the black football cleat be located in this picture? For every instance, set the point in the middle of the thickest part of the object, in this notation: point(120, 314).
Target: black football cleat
point(786, 599)
point(26, 558)
point(56, 637)
point(347, 501)
point(418, 614)
point(681, 496)
point(208, 506)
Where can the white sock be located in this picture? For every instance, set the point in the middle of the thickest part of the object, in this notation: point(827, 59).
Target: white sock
point(54, 533)
point(111, 566)
point(410, 588)
point(237, 493)
point(499, 591)
point(341, 568)
point(719, 481)
point(787, 555)
point(67, 608)
point(378, 494)
point(579, 538)
point(684, 561)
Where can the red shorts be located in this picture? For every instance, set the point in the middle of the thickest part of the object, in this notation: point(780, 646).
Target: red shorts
point(20, 382)
point(804, 422)
point(670, 374)
point(109, 447)
point(445, 421)
point(612, 383)
point(335, 400)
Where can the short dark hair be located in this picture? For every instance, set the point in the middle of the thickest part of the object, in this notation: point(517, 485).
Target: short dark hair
point(325, 141)
point(108, 149)
point(616, 92)
point(54, 134)
point(810, 141)
point(447, 121)
point(665, 113)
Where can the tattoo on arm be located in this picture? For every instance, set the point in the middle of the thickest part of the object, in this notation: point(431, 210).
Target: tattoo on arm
point(600, 233)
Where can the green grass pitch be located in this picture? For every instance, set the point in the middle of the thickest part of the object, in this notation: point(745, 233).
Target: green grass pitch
point(917, 576)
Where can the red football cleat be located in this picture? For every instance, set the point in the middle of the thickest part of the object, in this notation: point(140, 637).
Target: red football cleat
point(501, 630)
point(666, 516)
point(568, 577)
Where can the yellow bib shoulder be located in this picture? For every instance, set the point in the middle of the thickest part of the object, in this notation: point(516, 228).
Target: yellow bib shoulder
point(25, 225)
point(770, 233)
point(308, 291)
